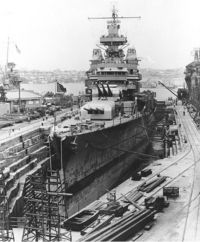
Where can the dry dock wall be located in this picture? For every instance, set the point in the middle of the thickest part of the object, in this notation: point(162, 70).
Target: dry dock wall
point(22, 155)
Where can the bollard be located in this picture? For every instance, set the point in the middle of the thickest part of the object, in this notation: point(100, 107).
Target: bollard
point(175, 147)
point(166, 148)
point(170, 152)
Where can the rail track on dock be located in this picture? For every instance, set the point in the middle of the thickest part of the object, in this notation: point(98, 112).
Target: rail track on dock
point(191, 224)
point(183, 166)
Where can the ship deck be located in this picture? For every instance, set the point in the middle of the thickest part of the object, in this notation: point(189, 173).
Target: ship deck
point(93, 125)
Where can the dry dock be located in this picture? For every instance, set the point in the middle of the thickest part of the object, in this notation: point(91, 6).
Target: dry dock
point(180, 221)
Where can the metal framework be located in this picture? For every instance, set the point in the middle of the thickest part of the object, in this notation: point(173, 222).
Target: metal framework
point(6, 234)
point(44, 202)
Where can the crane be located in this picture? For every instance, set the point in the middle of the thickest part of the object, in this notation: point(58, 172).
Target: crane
point(168, 88)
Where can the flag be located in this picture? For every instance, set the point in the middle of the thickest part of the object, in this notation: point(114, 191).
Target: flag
point(17, 49)
point(60, 87)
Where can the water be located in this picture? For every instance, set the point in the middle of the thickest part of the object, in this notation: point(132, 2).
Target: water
point(162, 93)
point(42, 88)
point(77, 88)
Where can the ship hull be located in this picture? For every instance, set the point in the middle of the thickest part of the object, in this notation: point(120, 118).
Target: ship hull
point(101, 150)
point(106, 178)
point(97, 149)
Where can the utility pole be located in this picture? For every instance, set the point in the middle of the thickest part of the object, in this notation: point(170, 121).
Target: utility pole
point(7, 54)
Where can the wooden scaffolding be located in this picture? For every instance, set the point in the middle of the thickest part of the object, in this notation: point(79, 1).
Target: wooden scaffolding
point(43, 205)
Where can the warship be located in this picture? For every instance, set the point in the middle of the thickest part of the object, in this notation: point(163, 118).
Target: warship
point(113, 121)
point(192, 75)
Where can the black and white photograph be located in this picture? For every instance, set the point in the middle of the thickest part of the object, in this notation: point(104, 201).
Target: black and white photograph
point(99, 120)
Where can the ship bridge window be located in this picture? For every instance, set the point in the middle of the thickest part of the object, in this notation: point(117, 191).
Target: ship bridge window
point(121, 73)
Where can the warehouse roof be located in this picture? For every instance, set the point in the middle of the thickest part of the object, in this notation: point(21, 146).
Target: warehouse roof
point(24, 94)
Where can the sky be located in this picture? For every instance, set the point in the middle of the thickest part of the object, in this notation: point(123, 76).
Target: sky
point(56, 34)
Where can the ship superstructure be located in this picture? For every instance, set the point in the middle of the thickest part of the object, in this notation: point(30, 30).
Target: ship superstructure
point(112, 123)
point(112, 73)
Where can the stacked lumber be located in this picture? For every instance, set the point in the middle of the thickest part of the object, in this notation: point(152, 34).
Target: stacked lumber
point(100, 223)
point(123, 228)
point(152, 184)
point(133, 196)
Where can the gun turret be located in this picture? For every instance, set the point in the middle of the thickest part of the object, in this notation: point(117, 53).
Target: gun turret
point(110, 94)
point(87, 109)
point(100, 94)
point(100, 110)
point(105, 94)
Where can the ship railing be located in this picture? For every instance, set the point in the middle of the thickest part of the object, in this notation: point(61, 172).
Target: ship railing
point(95, 125)
point(108, 65)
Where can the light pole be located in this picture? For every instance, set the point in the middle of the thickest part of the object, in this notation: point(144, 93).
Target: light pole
point(61, 158)
point(50, 152)
point(19, 96)
point(62, 170)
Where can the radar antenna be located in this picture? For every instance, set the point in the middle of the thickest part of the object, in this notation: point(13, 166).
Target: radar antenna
point(114, 16)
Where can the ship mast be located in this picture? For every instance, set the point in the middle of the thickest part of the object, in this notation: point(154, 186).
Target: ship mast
point(113, 40)
point(115, 16)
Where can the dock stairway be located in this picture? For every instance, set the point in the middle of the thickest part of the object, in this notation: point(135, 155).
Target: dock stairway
point(6, 234)
point(26, 155)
